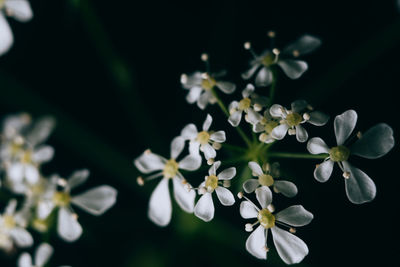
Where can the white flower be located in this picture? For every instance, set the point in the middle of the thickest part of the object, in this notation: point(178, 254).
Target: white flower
point(95, 201)
point(19, 10)
point(374, 143)
point(160, 207)
point(200, 86)
point(204, 208)
point(205, 140)
point(265, 127)
point(291, 120)
point(42, 256)
point(250, 104)
point(290, 248)
point(267, 179)
point(292, 67)
point(11, 229)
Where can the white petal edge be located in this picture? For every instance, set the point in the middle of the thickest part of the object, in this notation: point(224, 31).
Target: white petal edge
point(183, 197)
point(160, 207)
point(96, 201)
point(225, 196)
point(290, 248)
point(256, 242)
point(204, 208)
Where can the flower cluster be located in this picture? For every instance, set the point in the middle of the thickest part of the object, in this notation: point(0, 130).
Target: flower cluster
point(45, 200)
point(273, 122)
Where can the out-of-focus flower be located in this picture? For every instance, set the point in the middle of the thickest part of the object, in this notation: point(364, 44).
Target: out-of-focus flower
point(19, 10)
point(290, 248)
point(267, 178)
point(374, 143)
point(205, 141)
point(286, 59)
point(42, 256)
point(291, 120)
point(95, 201)
point(204, 208)
point(160, 207)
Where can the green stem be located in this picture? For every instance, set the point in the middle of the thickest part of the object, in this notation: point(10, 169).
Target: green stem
point(296, 155)
point(233, 147)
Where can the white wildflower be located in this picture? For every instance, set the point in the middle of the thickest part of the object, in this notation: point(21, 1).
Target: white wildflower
point(265, 127)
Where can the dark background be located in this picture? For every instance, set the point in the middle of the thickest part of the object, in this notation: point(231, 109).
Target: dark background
point(109, 72)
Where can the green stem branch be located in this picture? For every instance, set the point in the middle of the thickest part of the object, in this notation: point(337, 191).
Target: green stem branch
point(296, 155)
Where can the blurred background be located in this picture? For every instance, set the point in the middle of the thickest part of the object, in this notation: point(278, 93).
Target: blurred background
point(109, 73)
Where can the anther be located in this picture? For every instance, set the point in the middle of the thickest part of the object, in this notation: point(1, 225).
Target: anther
point(248, 227)
point(147, 152)
point(292, 131)
point(61, 182)
point(205, 75)
point(187, 187)
point(306, 116)
point(247, 45)
point(184, 78)
point(292, 230)
point(276, 51)
point(359, 135)
point(346, 175)
point(271, 34)
point(257, 107)
point(216, 146)
point(263, 137)
point(271, 208)
point(202, 190)
point(75, 216)
point(204, 57)
point(240, 195)
point(140, 181)
point(210, 161)
point(226, 183)
point(296, 53)
point(266, 249)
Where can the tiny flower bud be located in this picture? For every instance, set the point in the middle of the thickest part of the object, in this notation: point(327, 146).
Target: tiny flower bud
point(247, 45)
point(276, 51)
point(257, 107)
point(226, 183)
point(271, 208)
point(346, 175)
point(240, 195)
point(271, 34)
point(263, 137)
point(204, 57)
point(184, 78)
point(212, 100)
point(216, 146)
point(61, 182)
point(296, 53)
point(248, 227)
point(205, 75)
point(359, 135)
point(210, 161)
point(306, 116)
point(292, 230)
point(140, 181)
point(292, 131)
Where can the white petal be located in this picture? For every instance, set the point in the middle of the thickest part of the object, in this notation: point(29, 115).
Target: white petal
point(214, 167)
point(227, 174)
point(250, 185)
point(247, 75)
point(252, 116)
point(299, 105)
point(264, 196)
point(304, 45)
point(295, 216)
point(323, 171)
point(234, 119)
point(344, 124)
point(218, 137)
point(288, 189)
point(78, 177)
point(225, 196)
point(301, 134)
point(226, 87)
point(194, 94)
point(177, 145)
point(183, 197)
point(248, 90)
point(290, 248)
point(6, 36)
point(43, 254)
point(207, 123)
point(209, 151)
point(43, 154)
point(204, 99)
point(359, 187)
point(189, 132)
point(375, 142)
point(193, 79)
point(256, 242)
point(318, 118)
point(264, 77)
point(194, 148)
point(160, 208)
point(96, 201)
point(41, 131)
point(279, 132)
point(277, 111)
point(25, 260)
point(149, 162)
point(248, 210)
point(68, 226)
point(190, 162)
point(11, 206)
point(31, 174)
point(16, 172)
point(205, 208)
point(293, 68)
point(44, 208)
point(317, 146)
point(20, 9)
point(255, 168)
point(233, 105)
point(21, 237)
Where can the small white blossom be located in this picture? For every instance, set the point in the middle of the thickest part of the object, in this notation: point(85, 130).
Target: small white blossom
point(290, 248)
point(265, 127)
point(250, 102)
point(160, 207)
point(374, 143)
point(205, 140)
point(19, 10)
point(291, 120)
point(200, 86)
point(95, 201)
point(204, 208)
point(42, 256)
point(12, 229)
point(267, 178)
point(286, 59)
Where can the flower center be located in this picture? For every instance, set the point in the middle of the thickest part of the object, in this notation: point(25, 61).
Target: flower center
point(266, 219)
point(203, 137)
point(8, 221)
point(266, 180)
point(339, 153)
point(61, 199)
point(211, 183)
point(27, 157)
point(40, 225)
point(268, 59)
point(244, 103)
point(293, 119)
point(2, 3)
point(170, 169)
point(269, 126)
point(208, 83)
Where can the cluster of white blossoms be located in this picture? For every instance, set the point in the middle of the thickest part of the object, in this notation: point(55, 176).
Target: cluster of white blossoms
point(43, 201)
point(273, 122)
